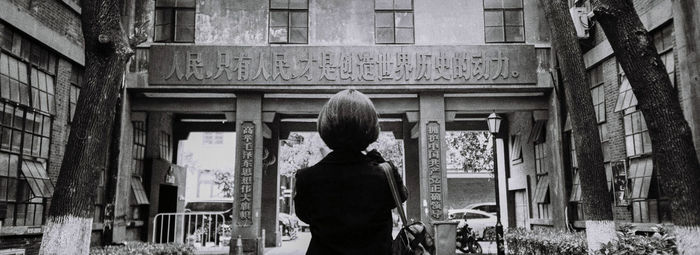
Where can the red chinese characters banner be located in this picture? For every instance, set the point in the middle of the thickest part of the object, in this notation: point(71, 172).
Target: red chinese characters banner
point(336, 65)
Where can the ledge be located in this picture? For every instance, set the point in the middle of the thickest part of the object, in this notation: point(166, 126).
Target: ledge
point(18, 18)
point(542, 222)
point(21, 230)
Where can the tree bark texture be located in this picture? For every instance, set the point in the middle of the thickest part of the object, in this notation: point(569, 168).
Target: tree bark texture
point(672, 146)
point(69, 221)
point(597, 202)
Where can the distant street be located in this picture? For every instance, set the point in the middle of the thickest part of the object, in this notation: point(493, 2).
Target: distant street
point(291, 247)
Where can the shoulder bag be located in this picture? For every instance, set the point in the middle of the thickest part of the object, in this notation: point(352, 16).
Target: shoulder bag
point(413, 239)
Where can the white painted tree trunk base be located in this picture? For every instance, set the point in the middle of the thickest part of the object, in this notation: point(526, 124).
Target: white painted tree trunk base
point(66, 235)
point(599, 233)
point(688, 240)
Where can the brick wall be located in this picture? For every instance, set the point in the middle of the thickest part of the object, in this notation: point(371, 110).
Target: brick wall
point(56, 15)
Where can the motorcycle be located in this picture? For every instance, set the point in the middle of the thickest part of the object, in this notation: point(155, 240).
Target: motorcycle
point(289, 225)
point(466, 240)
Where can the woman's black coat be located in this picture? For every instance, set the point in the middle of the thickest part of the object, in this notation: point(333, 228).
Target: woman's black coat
point(346, 200)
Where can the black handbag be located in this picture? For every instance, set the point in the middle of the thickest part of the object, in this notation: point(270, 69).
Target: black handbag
point(413, 239)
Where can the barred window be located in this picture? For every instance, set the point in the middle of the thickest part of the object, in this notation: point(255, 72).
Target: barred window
point(393, 21)
point(503, 21)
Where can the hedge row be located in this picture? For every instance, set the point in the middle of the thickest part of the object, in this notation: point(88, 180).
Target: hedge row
point(545, 241)
point(142, 248)
point(550, 241)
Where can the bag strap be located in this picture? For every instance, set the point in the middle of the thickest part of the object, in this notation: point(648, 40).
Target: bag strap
point(388, 171)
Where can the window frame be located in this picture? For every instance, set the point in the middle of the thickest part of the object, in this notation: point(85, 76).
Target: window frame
point(173, 22)
point(289, 13)
point(503, 24)
point(394, 10)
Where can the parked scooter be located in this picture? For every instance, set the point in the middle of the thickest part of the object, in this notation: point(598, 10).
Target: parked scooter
point(466, 240)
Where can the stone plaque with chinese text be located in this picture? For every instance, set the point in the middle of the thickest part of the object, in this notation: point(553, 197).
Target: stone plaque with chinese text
point(434, 169)
point(337, 65)
point(245, 175)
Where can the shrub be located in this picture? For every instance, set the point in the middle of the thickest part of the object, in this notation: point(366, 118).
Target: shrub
point(659, 242)
point(545, 241)
point(142, 248)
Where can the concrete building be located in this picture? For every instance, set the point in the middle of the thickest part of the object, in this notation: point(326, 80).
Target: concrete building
point(263, 69)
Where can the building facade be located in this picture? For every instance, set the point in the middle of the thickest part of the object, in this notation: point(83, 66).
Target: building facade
point(263, 69)
point(41, 62)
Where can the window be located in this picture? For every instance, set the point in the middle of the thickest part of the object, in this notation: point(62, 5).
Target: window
point(597, 92)
point(27, 72)
point(649, 203)
point(174, 21)
point(289, 21)
point(24, 149)
point(637, 140)
point(139, 149)
point(542, 188)
point(597, 84)
point(663, 40)
point(503, 21)
point(76, 80)
point(14, 80)
point(393, 21)
point(42, 91)
point(166, 149)
point(213, 138)
point(516, 150)
point(138, 164)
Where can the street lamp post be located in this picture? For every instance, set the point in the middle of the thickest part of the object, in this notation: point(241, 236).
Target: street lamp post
point(494, 122)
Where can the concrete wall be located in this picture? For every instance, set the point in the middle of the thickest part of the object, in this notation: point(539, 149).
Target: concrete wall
point(225, 22)
point(341, 22)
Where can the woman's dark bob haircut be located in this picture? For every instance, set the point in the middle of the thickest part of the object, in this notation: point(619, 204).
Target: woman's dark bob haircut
point(348, 121)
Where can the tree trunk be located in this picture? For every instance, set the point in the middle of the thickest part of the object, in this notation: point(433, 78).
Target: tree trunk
point(597, 202)
point(69, 222)
point(672, 146)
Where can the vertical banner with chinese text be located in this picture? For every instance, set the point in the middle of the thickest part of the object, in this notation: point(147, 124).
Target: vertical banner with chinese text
point(434, 169)
point(245, 175)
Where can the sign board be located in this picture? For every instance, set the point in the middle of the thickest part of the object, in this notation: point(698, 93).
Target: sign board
point(342, 65)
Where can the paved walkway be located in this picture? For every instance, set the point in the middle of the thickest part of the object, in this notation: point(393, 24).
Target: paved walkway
point(299, 245)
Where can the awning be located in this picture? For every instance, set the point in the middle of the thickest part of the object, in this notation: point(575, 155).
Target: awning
point(576, 189)
point(38, 180)
point(538, 132)
point(541, 190)
point(641, 171)
point(139, 191)
point(625, 98)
